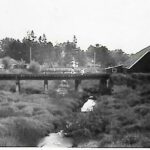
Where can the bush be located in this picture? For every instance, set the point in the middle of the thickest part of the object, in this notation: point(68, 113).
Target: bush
point(83, 126)
point(142, 110)
point(6, 62)
point(34, 67)
point(9, 141)
point(31, 90)
point(22, 64)
point(6, 111)
point(30, 131)
point(106, 140)
point(131, 139)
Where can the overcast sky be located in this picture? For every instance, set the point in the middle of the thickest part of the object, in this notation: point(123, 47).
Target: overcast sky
point(117, 24)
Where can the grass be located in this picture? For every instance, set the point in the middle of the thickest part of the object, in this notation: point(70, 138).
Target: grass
point(27, 117)
point(121, 119)
point(118, 120)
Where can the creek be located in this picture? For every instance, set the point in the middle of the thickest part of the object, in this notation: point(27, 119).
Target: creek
point(58, 139)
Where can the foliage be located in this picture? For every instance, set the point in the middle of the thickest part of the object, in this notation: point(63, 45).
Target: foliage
point(118, 120)
point(6, 62)
point(26, 118)
point(34, 67)
point(102, 54)
point(29, 130)
point(119, 56)
point(60, 54)
point(21, 64)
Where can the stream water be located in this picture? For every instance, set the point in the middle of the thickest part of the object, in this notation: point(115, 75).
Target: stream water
point(58, 139)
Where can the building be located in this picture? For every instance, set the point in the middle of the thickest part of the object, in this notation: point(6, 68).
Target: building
point(139, 62)
point(115, 69)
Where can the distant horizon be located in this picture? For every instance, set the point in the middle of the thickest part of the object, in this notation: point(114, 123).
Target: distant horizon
point(116, 24)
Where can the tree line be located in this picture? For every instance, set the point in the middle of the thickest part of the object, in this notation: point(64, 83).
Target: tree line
point(61, 54)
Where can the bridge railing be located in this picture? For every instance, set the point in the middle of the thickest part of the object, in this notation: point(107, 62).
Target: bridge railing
point(52, 76)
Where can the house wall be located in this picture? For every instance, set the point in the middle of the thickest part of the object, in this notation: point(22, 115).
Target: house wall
point(118, 69)
point(143, 65)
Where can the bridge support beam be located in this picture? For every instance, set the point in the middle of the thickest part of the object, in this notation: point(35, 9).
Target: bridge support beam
point(45, 85)
point(105, 86)
point(109, 85)
point(77, 83)
point(102, 85)
point(18, 87)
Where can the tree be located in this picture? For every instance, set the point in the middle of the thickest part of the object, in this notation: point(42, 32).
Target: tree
point(119, 56)
point(103, 56)
point(31, 36)
point(44, 39)
point(6, 62)
point(34, 67)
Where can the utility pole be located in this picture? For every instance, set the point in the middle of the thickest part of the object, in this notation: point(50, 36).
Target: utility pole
point(30, 54)
point(94, 59)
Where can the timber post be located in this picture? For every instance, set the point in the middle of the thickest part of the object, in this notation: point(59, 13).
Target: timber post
point(102, 85)
point(109, 85)
point(18, 87)
point(45, 85)
point(77, 83)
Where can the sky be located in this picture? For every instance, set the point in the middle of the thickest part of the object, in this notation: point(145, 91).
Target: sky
point(116, 24)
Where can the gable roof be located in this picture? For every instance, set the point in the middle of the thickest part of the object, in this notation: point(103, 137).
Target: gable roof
point(136, 57)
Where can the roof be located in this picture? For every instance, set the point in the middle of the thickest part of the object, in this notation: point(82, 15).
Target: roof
point(121, 65)
point(136, 57)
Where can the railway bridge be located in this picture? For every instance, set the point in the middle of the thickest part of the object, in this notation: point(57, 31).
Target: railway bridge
point(103, 78)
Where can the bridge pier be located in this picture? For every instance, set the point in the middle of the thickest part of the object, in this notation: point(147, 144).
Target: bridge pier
point(77, 83)
point(109, 85)
point(102, 85)
point(45, 85)
point(105, 86)
point(18, 87)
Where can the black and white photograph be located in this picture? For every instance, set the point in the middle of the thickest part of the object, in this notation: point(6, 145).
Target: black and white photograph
point(75, 73)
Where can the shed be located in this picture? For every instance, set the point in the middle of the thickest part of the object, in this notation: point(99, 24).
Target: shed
point(139, 62)
point(115, 69)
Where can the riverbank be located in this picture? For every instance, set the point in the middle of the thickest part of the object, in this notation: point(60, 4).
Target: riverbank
point(118, 120)
point(28, 117)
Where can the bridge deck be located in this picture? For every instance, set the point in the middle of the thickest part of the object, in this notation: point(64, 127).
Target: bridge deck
point(53, 76)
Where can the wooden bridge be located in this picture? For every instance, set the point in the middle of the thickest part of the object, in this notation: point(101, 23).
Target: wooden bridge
point(104, 79)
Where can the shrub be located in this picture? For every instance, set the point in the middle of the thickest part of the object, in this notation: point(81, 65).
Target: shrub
point(7, 111)
point(30, 131)
point(141, 76)
point(142, 110)
point(133, 99)
point(145, 123)
point(84, 126)
point(7, 85)
point(34, 67)
point(21, 64)
point(6, 62)
point(145, 142)
point(131, 139)
point(9, 141)
point(106, 139)
point(31, 90)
